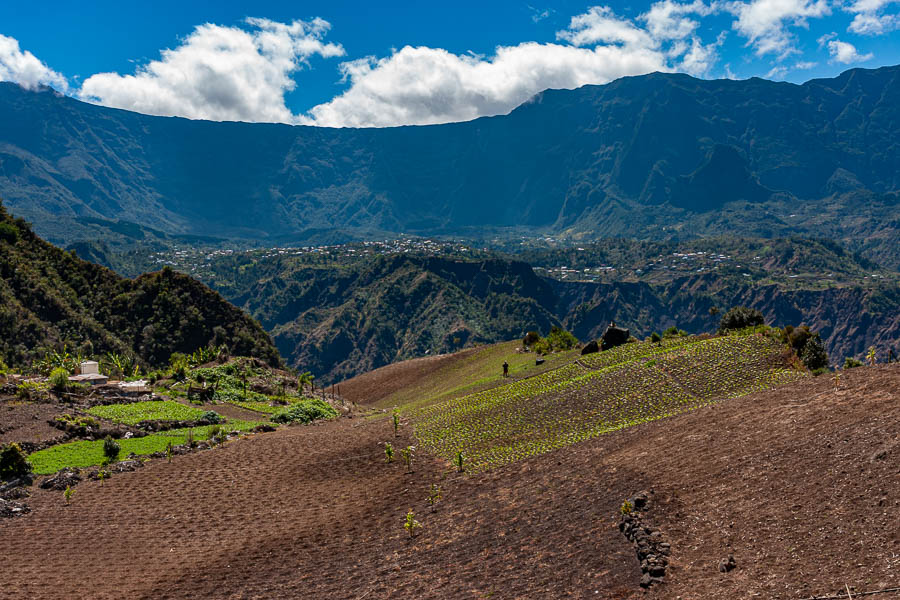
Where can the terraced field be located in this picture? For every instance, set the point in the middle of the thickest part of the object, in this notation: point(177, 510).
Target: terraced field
point(596, 394)
point(134, 413)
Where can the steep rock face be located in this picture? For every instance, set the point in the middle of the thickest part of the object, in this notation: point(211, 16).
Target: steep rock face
point(341, 322)
point(626, 157)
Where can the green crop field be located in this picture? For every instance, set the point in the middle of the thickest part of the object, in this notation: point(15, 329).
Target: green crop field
point(267, 407)
point(479, 369)
point(90, 453)
point(592, 395)
point(132, 414)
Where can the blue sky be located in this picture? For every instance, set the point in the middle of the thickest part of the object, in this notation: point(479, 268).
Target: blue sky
point(342, 63)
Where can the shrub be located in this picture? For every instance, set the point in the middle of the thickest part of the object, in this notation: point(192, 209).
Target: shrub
point(673, 332)
point(852, 363)
point(813, 354)
point(305, 411)
point(111, 448)
point(740, 317)
point(9, 233)
point(211, 417)
point(531, 338)
point(560, 339)
point(655, 338)
point(13, 463)
point(30, 390)
point(59, 379)
point(627, 508)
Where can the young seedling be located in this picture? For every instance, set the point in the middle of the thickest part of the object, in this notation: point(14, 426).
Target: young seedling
point(626, 508)
point(101, 475)
point(407, 455)
point(459, 462)
point(388, 452)
point(169, 452)
point(836, 378)
point(410, 524)
point(396, 418)
point(434, 496)
point(68, 493)
point(870, 357)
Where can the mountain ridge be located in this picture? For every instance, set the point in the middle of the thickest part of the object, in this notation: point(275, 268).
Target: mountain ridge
point(647, 156)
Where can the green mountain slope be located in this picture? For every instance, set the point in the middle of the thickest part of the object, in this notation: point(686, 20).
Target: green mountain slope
point(660, 155)
point(49, 297)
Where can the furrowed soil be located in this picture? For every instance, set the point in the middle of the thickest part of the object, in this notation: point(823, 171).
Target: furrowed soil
point(800, 484)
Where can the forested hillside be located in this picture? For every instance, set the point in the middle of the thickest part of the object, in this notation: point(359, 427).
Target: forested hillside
point(49, 297)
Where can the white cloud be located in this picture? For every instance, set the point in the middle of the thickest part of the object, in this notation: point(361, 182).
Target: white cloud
point(842, 52)
point(430, 85)
point(667, 20)
point(25, 68)
point(868, 20)
point(765, 22)
point(219, 73)
point(600, 24)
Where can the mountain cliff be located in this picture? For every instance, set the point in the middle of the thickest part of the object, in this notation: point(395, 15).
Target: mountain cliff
point(649, 156)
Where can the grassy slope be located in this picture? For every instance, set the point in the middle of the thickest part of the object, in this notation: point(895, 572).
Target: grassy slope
point(579, 398)
point(457, 375)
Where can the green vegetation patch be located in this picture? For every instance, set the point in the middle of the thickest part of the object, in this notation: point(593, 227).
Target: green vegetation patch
point(153, 410)
point(270, 408)
point(90, 453)
point(305, 411)
point(631, 384)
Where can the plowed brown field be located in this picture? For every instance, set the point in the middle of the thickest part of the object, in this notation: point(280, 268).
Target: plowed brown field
point(800, 484)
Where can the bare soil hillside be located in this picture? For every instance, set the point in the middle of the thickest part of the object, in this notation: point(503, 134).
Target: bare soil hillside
point(801, 485)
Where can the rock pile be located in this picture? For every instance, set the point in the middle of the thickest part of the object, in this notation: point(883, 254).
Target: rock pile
point(651, 549)
point(10, 509)
point(63, 479)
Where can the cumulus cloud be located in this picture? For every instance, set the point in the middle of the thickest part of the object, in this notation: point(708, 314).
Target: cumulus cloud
point(669, 20)
point(842, 52)
point(220, 73)
point(430, 85)
point(765, 23)
point(600, 24)
point(25, 68)
point(868, 18)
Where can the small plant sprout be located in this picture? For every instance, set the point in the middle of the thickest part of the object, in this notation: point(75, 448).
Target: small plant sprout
point(460, 461)
point(434, 496)
point(68, 493)
point(871, 356)
point(626, 508)
point(410, 524)
point(388, 452)
point(407, 455)
point(110, 449)
point(169, 452)
point(395, 417)
point(101, 475)
point(836, 378)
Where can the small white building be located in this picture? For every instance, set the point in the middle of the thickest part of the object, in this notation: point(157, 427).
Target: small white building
point(89, 372)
